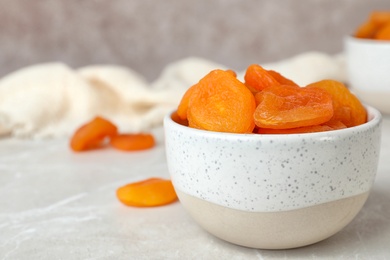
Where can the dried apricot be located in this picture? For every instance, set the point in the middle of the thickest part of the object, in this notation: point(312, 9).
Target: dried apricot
point(347, 107)
point(379, 18)
point(232, 72)
point(383, 33)
point(376, 27)
point(92, 134)
point(366, 30)
point(132, 142)
point(257, 78)
point(220, 102)
point(147, 193)
point(328, 126)
point(258, 98)
point(183, 105)
point(283, 107)
point(175, 117)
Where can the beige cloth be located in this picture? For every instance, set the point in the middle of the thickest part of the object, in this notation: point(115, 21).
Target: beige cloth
point(52, 100)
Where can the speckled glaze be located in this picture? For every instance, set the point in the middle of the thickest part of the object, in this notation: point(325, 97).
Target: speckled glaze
point(273, 173)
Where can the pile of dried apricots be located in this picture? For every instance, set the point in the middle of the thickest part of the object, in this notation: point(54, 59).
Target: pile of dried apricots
point(376, 27)
point(267, 103)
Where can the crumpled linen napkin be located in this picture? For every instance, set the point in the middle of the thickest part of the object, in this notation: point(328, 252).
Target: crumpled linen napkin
point(53, 100)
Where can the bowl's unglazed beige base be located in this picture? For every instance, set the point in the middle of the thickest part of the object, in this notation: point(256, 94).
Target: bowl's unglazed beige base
point(274, 230)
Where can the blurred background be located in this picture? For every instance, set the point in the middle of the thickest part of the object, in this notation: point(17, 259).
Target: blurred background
point(146, 35)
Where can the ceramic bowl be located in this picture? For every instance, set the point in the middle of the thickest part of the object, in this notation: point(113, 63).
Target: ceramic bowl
point(273, 191)
point(368, 70)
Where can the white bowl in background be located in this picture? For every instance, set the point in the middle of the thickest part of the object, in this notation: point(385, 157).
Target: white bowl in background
point(368, 70)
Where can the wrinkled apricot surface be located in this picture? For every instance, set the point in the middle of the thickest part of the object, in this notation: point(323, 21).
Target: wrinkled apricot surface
point(220, 102)
point(132, 142)
point(282, 107)
point(183, 105)
point(92, 134)
point(147, 193)
point(347, 107)
point(257, 78)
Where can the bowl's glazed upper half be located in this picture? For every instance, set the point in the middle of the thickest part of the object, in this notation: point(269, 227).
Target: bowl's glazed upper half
point(266, 173)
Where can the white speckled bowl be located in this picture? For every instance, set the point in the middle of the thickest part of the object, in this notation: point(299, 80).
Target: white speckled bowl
point(273, 191)
point(368, 70)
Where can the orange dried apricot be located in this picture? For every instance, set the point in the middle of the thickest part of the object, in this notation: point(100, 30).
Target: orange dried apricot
point(375, 27)
point(220, 102)
point(383, 33)
point(347, 107)
point(151, 192)
point(379, 18)
point(327, 126)
point(175, 117)
point(257, 78)
point(258, 98)
point(132, 142)
point(232, 72)
point(283, 107)
point(183, 105)
point(92, 134)
point(366, 30)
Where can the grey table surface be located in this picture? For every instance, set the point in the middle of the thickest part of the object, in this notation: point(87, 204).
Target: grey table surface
point(55, 204)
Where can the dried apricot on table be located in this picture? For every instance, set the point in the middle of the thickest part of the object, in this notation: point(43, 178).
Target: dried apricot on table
point(147, 193)
point(92, 134)
point(282, 107)
point(132, 142)
point(347, 107)
point(220, 102)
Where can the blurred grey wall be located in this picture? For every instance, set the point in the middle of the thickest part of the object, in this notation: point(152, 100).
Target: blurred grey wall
point(145, 35)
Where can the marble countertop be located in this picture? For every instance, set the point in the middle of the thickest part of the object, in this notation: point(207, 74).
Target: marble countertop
point(55, 204)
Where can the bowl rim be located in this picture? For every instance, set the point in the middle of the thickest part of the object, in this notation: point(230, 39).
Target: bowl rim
point(351, 38)
point(374, 117)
